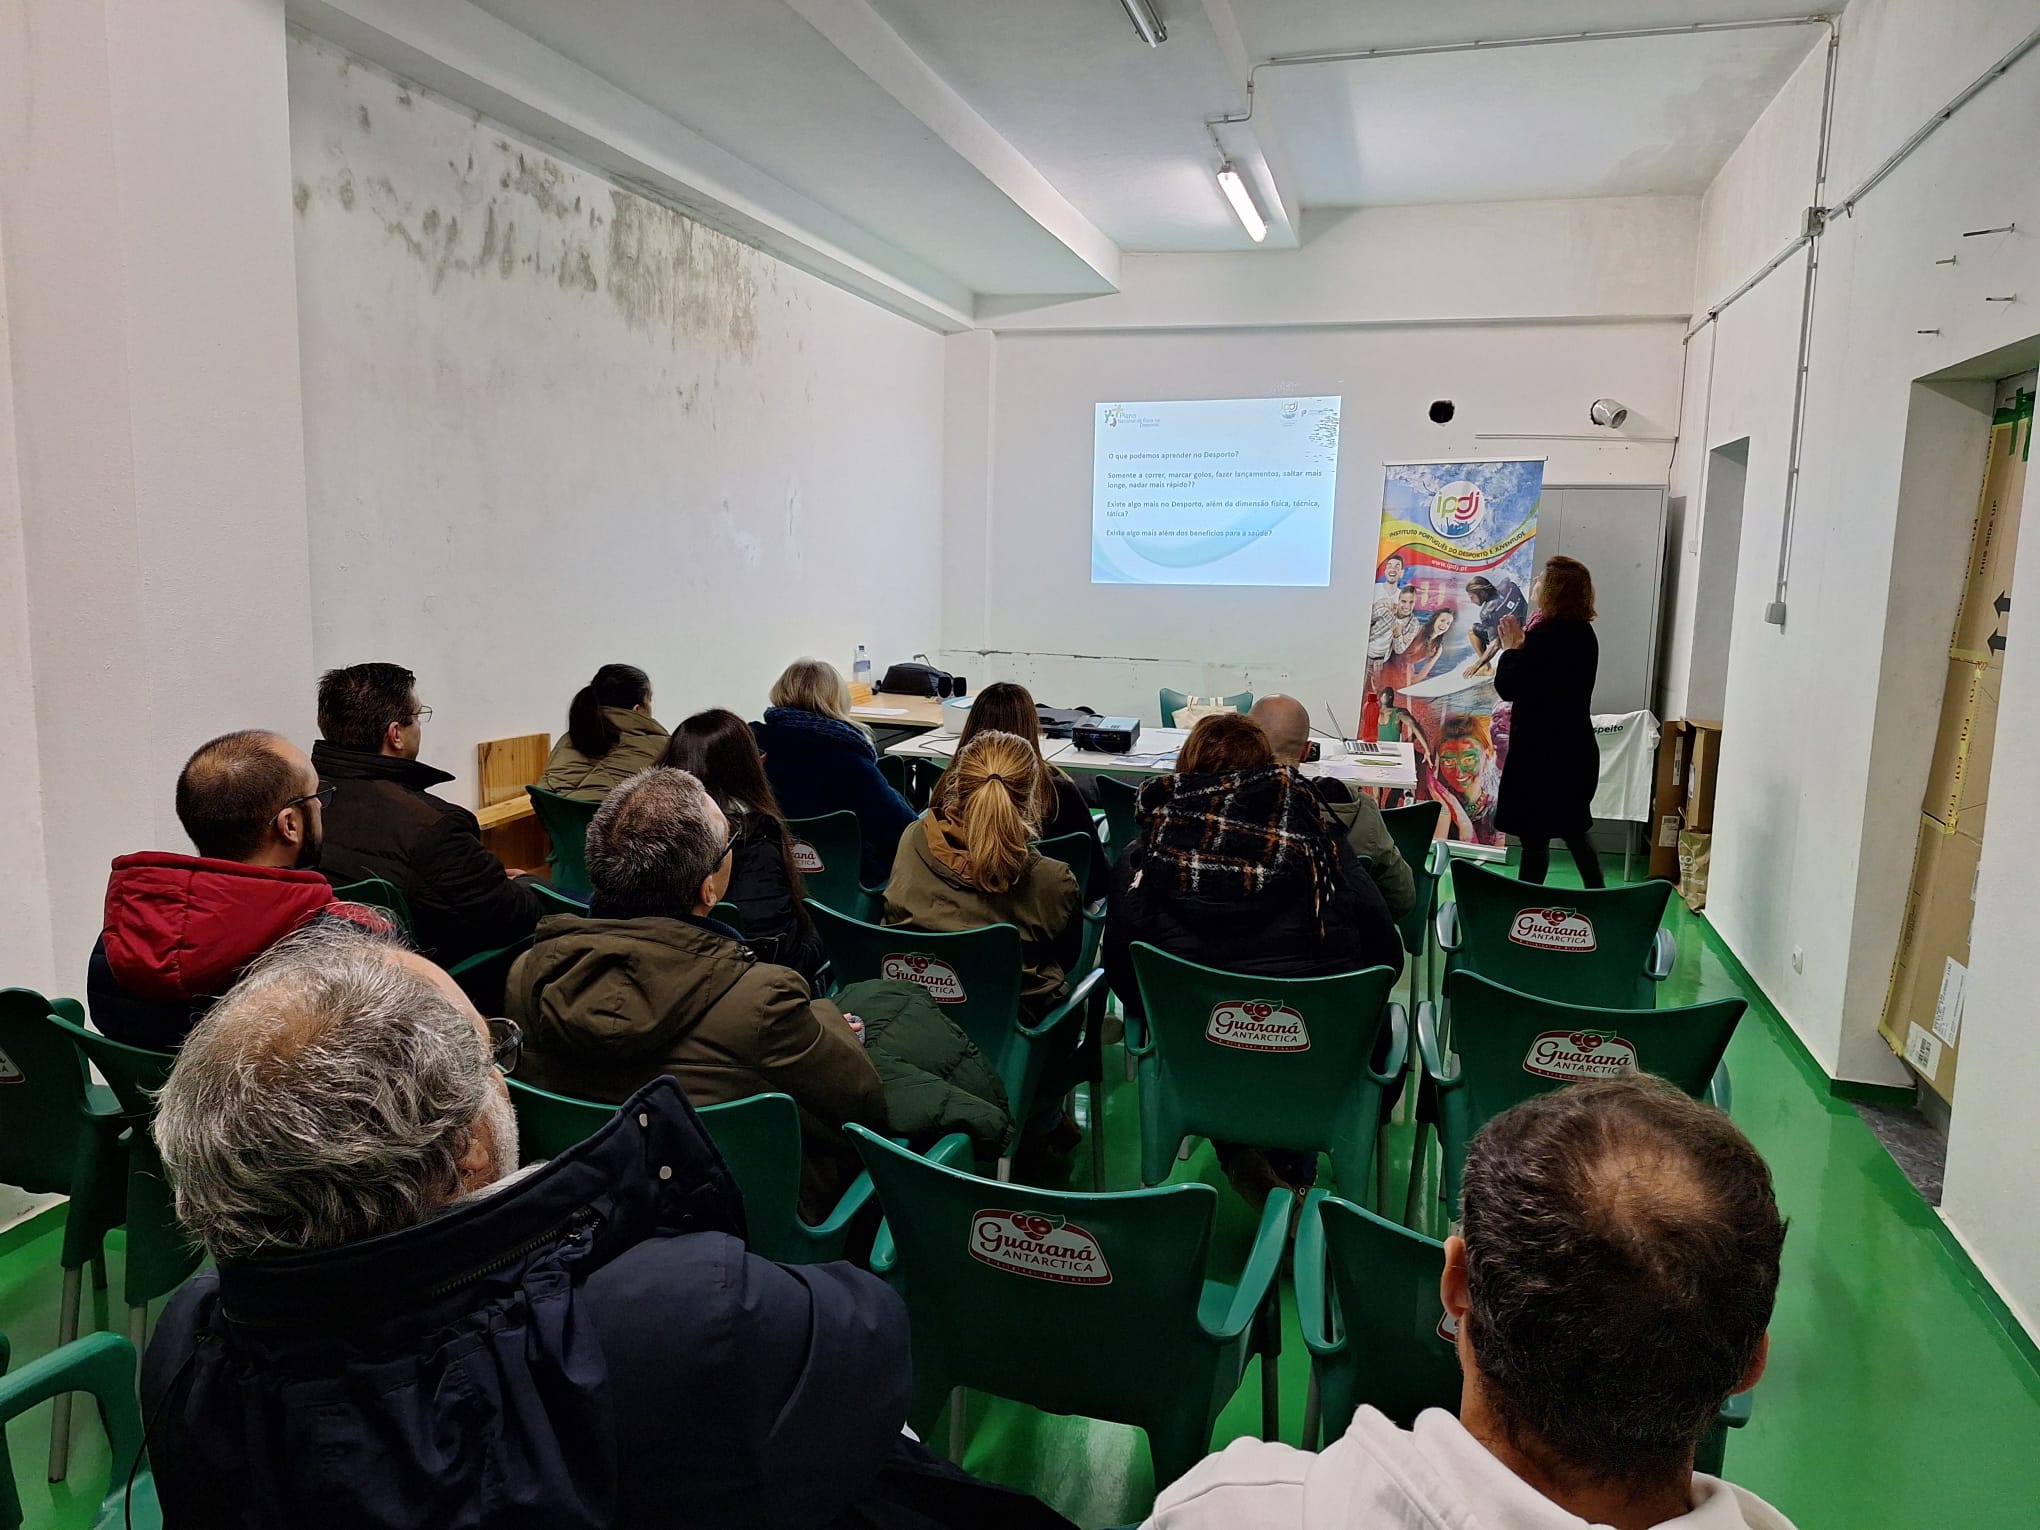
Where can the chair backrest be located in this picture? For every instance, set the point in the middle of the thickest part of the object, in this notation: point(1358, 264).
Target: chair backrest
point(974, 975)
point(759, 1139)
point(1514, 1045)
point(894, 768)
point(548, 1124)
point(1278, 1062)
point(1585, 945)
point(1174, 701)
point(159, 1253)
point(1413, 828)
point(42, 1095)
point(1385, 1279)
point(552, 901)
point(566, 821)
point(1122, 822)
point(1074, 851)
point(378, 893)
point(1073, 1302)
point(828, 852)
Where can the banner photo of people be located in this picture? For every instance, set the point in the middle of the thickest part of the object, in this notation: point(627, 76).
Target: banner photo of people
point(1457, 544)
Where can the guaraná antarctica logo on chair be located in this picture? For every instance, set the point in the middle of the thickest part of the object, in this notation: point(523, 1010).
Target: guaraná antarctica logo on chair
point(806, 858)
point(1038, 1246)
point(1254, 1025)
point(9, 1074)
point(1553, 929)
point(1575, 1055)
point(930, 974)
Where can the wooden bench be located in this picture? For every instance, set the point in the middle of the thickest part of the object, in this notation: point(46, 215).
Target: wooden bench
point(504, 767)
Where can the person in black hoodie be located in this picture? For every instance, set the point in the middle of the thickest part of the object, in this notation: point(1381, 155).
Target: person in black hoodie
point(383, 822)
point(717, 749)
point(1240, 866)
point(1553, 765)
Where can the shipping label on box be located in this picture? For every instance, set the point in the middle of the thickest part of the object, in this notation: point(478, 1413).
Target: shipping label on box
point(1948, 1005)
point(1924, 999)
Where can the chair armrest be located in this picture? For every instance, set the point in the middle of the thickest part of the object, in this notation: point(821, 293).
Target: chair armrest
point(483, 958)
point(1720, 1092)
point(1447, 927)
point(102, 1364)
point(1398, 1048)
point(70, 1009)
point(1313, 1288)
point(1437, 858)
point(952, 1152)
point(1078, 996)
point(854, 1200)
point(1427, 1046)
point(1264, 1268)
point(1664, 955)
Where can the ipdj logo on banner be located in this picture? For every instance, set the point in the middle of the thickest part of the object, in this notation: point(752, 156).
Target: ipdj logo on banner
point(930, 974)
point(1456, 508)
point(1044, 1247)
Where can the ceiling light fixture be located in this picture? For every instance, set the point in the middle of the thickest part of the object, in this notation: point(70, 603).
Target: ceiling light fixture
point(1234, 186)
point(1146, 22)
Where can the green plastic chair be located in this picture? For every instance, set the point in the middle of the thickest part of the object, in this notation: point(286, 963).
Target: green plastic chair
point(565, 821)
point(1275, 1062)
point(1599, 946)
point(552, 901)
point(1077, 1303)
point(1122, 821)
point(759, 1139)
point(1079, 852)
point(60, 1134)
point(975, 976)
point(102, 1365)
point(159, 1254)
point(1511, 1046)
point(385, 896)
point(894, 768)
point(828, 851)
point(1174, 701)
point(1368, 1302)
point(923, 775)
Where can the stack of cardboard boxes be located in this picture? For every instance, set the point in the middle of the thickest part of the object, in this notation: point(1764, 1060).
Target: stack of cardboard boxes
point(1682, 811)
point(1923, 1010)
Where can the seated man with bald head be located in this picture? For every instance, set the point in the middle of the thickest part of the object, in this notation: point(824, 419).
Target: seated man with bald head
point(404, 1329)
point(179, 928)
point(1611, 1290)
point(1286, 721)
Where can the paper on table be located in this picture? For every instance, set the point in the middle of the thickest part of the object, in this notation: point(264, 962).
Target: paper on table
point(880, 711)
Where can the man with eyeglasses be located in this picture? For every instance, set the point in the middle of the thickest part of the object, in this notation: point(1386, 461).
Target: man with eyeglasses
point(179, 928)
point(387, 823)
point(403, 1328)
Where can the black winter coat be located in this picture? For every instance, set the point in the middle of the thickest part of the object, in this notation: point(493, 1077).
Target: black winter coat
point(590, 1345)
point(818, 765)
point(382, 822)
point(774, 924)
point(1274, 934)
point(1553, 764)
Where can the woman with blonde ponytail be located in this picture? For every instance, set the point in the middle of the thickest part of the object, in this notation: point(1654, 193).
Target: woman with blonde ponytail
point(970, 861)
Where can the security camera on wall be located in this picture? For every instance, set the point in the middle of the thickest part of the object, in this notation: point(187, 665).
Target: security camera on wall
point(1607, 412)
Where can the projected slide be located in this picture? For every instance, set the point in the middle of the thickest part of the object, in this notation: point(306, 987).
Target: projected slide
point(1214, 491)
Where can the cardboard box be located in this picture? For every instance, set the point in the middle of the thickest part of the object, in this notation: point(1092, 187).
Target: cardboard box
point(1666, 800)
point(1924, 1012)
point(1994, 538)
point(1958, 782)
point(1698, 813)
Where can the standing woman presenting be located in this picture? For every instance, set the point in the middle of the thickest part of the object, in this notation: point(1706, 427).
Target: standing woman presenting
point(1553, 765)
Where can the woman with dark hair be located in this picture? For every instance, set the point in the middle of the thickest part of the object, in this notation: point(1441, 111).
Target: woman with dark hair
point(1239, 865)
point(1009, 708)
point(1552, 767)
point(611, 735)
point(717, 749)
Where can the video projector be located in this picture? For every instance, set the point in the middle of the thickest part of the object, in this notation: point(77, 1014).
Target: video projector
point(1107, 735)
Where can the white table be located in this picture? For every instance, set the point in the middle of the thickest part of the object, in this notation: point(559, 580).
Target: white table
point(1383, 765)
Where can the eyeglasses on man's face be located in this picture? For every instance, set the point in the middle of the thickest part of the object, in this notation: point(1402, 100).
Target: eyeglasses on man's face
point(506, 1044)
point(323, 796)
point(422, 715)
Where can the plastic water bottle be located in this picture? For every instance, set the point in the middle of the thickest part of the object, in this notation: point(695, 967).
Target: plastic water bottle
point(861, 670)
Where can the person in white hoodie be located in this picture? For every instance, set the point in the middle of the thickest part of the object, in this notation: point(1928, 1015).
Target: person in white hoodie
point(1612, 1289)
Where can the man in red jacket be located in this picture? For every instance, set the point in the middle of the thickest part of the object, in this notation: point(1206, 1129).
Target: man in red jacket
point(179, 928)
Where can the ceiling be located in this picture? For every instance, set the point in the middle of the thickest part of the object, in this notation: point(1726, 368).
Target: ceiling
point(996, 147)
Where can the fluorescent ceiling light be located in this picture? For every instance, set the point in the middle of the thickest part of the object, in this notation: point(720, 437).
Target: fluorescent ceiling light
point(1142, 14)
point(1235, 188)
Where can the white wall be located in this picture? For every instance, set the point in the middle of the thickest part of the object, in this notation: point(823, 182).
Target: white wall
point(1825, 752)
point(1521, 313)
point(550, 424)
point(152, 344)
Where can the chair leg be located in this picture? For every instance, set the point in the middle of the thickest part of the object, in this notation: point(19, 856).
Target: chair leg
point(1185, 1148)
point(1416, 1190)
point(1097, 1134)
point(60, 1412)
point(959, 1424)
point(1381, 1169)
point(138, 1327)
point(1005, 1169)
point(99, 1271)
point(1313, 1412)
point(1132, 1067)
point(1271, 1394)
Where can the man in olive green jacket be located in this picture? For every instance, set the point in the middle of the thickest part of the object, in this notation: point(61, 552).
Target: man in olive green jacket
point(650, 984)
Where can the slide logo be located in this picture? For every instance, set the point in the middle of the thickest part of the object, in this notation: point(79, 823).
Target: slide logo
point(1456, 508)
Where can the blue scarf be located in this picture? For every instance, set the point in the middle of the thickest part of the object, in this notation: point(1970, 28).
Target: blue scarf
point(799, 721)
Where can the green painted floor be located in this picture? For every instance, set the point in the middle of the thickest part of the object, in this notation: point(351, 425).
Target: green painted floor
point(1894, 1397)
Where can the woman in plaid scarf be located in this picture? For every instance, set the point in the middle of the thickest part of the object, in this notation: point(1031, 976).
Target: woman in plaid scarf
point(1239, 865)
